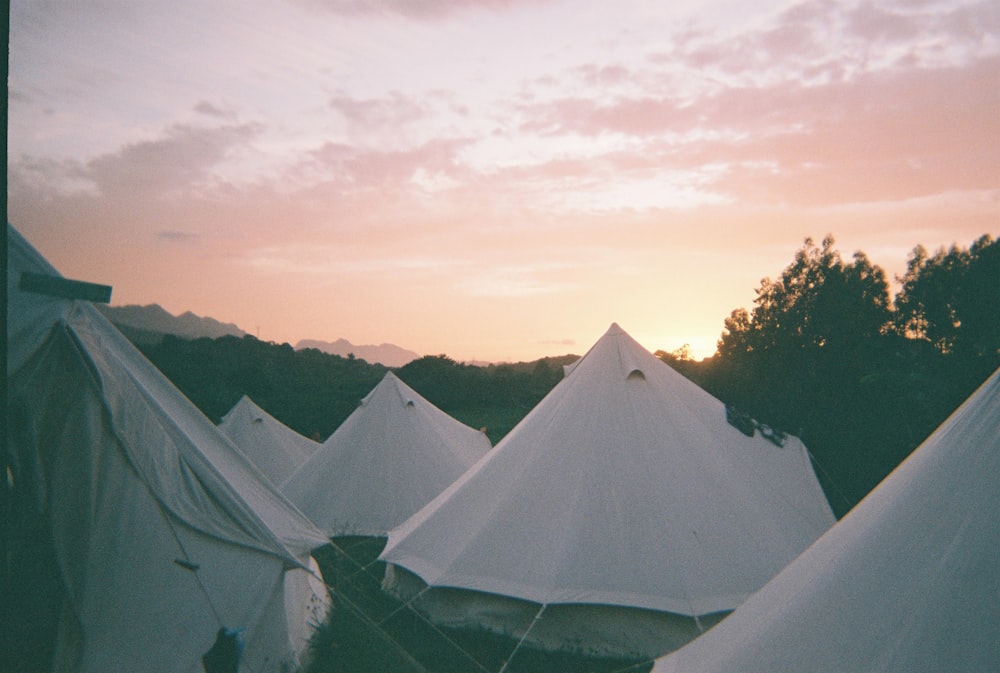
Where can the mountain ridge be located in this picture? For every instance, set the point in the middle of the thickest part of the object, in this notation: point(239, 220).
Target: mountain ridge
point(154, 319)
point(148, 323)
point(386, 354)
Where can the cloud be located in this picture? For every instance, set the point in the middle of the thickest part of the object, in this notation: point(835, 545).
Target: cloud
point(867, 37)
point(375, 113)
point(512, 282)
point(415, 9)
point(354, 169)
point(176, 162)
point(886, 136)
point(557, 342)
point(600, 75)
point(176, 235)
point(897, 133)
point(210, 110)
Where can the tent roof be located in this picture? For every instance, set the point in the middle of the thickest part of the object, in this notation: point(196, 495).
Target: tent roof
point(907, 582)
point(270, 444)
point(144, 405)
point(625, 486)
point(131, 482)
point(391, 456)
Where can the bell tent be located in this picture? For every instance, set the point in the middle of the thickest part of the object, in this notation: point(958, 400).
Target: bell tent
point(391, 456)
point(270, 444)
point(137, 531)
point(624, 512)
point(907, 582)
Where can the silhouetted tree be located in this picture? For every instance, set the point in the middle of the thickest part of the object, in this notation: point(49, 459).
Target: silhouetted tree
point(811, 332)
point(952, 300)
point(806, 359)
point(825, 354)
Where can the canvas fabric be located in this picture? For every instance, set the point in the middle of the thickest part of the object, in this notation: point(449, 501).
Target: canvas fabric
point(624, 486)
point(392, 455)
point(272, 446)
point(155, 531)
point(907, 582)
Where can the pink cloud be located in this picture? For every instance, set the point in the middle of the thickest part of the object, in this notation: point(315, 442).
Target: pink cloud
point(374, 113)
point(415, 9)
point(184, 156)
point(599, 76)
point(887, 134)
point(351, 168)
point(211, 110)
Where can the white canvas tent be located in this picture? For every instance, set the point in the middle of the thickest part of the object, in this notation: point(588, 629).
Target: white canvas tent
point(391, 456)
point(270, 444)
point(153, 531)
point(625, 486)
point(907, 582)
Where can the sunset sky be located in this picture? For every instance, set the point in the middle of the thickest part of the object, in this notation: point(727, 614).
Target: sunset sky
point(493, 179)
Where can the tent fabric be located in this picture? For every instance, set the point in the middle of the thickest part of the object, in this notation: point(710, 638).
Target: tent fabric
point(907, 582)
point(624, 486)
point(272, 446)
point(158, 531)
point(391, 456)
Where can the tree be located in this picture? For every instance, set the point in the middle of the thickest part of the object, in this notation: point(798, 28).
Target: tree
point(810, 333)
point(950, 299)
point(808, 359)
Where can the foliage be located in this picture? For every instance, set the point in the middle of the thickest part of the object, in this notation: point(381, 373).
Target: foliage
point(308, 390)
point(313, 392)
point(494, 397)
point(825, 355)
point(945, 297)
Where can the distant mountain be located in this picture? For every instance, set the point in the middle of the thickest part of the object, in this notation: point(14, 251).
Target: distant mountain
point(389, 355)
point(150, 322)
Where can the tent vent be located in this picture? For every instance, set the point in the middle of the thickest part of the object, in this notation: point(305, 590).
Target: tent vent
point(409, 403)
point(740, 420)
point(636, 374)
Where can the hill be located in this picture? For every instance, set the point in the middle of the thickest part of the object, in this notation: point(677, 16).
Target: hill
point(149, 323)
point(313, 392)
point(389, 355)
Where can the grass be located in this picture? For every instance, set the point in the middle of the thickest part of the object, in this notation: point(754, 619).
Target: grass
point(372, 631)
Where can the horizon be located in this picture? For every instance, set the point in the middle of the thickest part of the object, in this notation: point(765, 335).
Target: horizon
point(494, 180)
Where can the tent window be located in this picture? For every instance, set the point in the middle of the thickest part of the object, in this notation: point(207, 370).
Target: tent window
point(636, 375)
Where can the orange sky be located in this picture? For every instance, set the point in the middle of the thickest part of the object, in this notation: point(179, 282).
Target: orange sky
point(493, 179)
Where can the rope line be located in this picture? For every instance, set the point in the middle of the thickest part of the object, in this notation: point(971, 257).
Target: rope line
point(364, 569)
point(847, 501)
point(538, 615)
point(388, 636)
point(193, 568)
point(407, 605)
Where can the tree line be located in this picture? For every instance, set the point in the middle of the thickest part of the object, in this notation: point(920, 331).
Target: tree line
point(825, 353)
point(313, 392)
